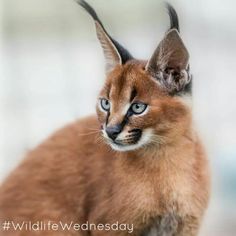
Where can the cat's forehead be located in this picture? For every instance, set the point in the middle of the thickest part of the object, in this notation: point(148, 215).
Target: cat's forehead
point(130, 80)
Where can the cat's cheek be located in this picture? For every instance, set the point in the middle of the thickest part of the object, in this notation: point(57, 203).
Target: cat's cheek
point(102, 116)
point(141, 122)
point(147, 134)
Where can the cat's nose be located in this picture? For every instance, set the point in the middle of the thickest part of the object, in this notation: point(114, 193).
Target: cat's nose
point(113, 131)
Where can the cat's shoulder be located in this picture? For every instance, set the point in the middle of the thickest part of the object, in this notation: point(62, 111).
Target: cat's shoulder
point(78, 133)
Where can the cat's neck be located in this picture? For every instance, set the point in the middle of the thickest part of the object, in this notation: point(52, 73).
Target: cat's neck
point(179, 152)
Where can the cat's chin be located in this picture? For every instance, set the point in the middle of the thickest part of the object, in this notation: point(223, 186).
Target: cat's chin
point(125, 148)
point(144, 140)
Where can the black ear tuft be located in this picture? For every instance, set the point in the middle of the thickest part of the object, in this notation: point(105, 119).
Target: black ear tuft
point(124, 54)
point(174, 21)
point(89, 9)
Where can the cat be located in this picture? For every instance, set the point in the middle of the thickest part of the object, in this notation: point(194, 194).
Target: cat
point(139, 162)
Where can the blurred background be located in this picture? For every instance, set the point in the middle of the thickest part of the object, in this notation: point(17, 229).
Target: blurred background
point(51, 70)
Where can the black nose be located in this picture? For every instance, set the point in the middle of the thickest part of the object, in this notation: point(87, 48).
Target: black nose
point(113, 131)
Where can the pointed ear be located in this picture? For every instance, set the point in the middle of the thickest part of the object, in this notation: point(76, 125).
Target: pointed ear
point(111, 54)
point(171, 53)
point(114, 53)
point(169, 63)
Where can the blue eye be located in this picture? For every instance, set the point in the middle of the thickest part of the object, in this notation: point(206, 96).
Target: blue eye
point(138, 108)
point(105, 104)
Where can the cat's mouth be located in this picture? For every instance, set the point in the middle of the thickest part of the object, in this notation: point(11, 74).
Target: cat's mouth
point(128, 141)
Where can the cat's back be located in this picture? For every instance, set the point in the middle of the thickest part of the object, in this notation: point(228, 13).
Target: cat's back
point(52, 176)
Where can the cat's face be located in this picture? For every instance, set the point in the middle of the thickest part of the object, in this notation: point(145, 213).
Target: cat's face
point(135, 112)
point(141, 103)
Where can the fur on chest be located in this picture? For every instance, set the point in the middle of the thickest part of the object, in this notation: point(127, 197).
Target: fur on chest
point(160, 184)
point(163, 213)
point(156, 207)
point(163, 194)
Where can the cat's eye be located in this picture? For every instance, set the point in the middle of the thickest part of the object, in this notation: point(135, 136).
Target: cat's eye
point(105, 104)
point(138, 108)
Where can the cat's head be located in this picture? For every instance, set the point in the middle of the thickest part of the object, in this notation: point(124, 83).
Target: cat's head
point(143, 103)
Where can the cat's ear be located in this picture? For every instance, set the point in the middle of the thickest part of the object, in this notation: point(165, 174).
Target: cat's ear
point(169, 63)
point(170, 53)
point(114, 53)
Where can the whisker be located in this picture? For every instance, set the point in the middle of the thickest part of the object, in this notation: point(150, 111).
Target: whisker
point(158, 139)
point(93, 129)
point(90, 133)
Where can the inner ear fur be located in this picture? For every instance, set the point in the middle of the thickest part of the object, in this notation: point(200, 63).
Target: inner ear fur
point(169, 63)
point(111, 54)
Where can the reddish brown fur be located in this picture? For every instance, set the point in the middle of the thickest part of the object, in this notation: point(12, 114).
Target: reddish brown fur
point(74, 175)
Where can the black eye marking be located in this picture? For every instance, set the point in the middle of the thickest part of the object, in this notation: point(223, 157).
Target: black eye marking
point(124, 122)
point(130, 112)
point(107, 117)
point(133, 94)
